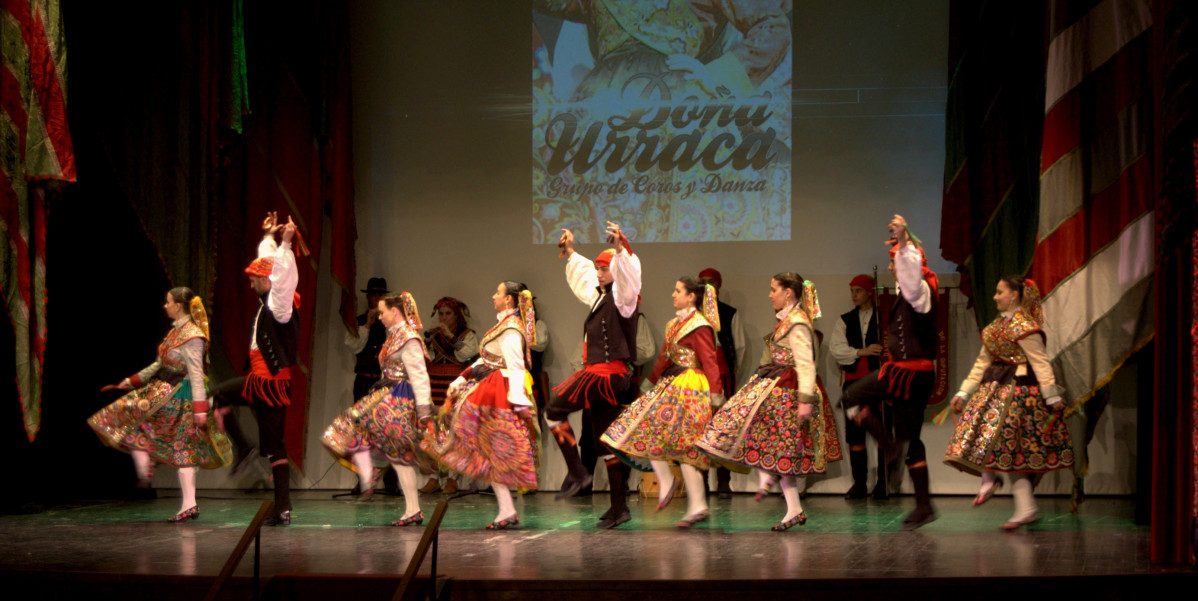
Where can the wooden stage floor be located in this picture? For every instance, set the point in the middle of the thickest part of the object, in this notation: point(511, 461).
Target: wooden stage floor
point(557, 541)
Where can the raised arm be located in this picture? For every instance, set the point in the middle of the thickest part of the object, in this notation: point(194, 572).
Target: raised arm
point(284, 276)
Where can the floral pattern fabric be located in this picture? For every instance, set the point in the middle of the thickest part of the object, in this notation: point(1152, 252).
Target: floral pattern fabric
point(759, 428)
point(664, 424)
point(158, 418)
point(1009, 428)
point(384, 422)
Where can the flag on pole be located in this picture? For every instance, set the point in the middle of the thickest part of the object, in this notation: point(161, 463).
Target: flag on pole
point(35, 150)
point(1094, 253)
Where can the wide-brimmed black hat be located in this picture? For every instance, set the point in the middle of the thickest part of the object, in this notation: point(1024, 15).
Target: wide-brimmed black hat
point(376, 286)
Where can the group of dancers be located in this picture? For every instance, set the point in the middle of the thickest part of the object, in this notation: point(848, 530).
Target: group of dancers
point(780, 423)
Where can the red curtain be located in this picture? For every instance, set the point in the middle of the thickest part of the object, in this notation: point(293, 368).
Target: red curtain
point(294, 158)
point(1175, 402)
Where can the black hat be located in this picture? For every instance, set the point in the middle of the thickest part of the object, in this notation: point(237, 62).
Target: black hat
point(376, 286)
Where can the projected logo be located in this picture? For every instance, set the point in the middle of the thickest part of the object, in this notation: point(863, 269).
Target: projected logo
point(669, 117)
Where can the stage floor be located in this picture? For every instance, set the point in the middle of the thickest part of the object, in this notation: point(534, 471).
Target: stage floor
point(557, 540)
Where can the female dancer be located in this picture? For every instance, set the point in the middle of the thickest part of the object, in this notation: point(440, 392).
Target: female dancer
point(385, 420)
point(1011, 421)
point(780, 422)
point(165, 417)
point(664, 424)
point(492, 433)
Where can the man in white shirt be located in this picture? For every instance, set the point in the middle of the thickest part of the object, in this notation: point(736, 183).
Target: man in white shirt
point(611, 287)
point(909, 373)
point(274, 346)
point(856, 348)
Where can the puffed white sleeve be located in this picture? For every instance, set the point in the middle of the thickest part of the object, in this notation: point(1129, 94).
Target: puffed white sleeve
point(582, 278)
point(193, 358)
point(140, 378)
point(626, 284)
point(974, 379)
point(511, 343)
point(412, 355)
point(284, 278)
point(799, 339)
point(355, 344)
point(1037, 357)
point(467, 347)
point(839, 345)
point(908, 270)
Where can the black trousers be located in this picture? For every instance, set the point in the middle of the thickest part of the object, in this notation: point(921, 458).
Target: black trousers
point(271, 419)
point(596, 419)
point(872, 392)
point(363, 384)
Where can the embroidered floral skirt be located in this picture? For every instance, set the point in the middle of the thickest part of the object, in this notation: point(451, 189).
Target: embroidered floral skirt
point(158, 419)
point(482, 437)
point(664, 424)
point(1009, 428)
point(759, 428)
point(384, 422)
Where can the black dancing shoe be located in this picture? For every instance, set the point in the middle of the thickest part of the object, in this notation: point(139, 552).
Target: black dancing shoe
point(282, 519)
point(918, 517)
point(609, 521)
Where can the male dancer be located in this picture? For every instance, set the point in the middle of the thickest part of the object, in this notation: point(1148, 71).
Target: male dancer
point(368, 340)
point(611, 287)
point(274, 347)
point(909, 373)
point(856, 349)
point(732, 347)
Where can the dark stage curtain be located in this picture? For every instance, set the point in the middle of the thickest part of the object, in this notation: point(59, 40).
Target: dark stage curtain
point(237, 109)
point(1175, 411)
point(294, 158)
point(993, 120)
point(190, 121)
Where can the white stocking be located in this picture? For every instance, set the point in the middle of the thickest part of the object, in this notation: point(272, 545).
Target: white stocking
point(1025, 501)
point(187, 485)
point(408, 481)
point(141, 463)
point(988, 480)
point(696, 498)
point(365, 468)
point(504, 496)
point(765, 480)
point(665, 479)
point(790, 492)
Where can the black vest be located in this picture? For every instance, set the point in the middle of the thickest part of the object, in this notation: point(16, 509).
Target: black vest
point(852, 332)
point(278, 342)
point(368, 360)
point(911, 335)
point(610, 336)
point(727, 312)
